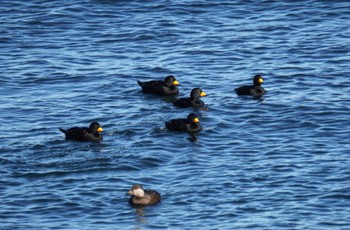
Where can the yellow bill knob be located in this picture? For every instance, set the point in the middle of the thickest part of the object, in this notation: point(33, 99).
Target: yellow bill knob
point(196, 120)
point(100, 130)
point(261, 80)
point(203, 94)
point(175, 83)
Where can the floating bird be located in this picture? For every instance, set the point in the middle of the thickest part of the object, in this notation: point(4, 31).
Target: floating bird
point(84, 134)
point(167, 87)
point(139, 196)
point(191, 124)
point(192, 101)
point(254, 90)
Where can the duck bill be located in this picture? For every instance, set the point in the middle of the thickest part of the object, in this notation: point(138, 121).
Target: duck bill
point(100, 130)
point(176, 83)
point(203, 94)
point(261, 80)
point(196, 120)
point(130, 192)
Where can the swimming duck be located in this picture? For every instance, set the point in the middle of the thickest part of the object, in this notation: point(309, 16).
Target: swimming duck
point(84, 134)
point(254, 90)
point(191, 124)
point(193, 100)
point(139, 196)
point(166, 88)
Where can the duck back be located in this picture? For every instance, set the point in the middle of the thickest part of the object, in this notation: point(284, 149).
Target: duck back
point(189, 102)
point(157, 87)
point(150, 197)
point(176, 125)
point(81, 134)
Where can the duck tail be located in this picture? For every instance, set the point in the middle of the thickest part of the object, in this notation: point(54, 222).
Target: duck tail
point(63, 130)
point(140, 83)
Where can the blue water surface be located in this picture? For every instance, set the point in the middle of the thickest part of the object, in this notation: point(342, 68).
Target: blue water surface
point(277, 162)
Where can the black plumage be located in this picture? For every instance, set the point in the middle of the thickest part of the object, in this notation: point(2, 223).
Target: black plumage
point(190, 124)
point(192, 101)
point(84, 134)
point(167, 87)
point(253, 90)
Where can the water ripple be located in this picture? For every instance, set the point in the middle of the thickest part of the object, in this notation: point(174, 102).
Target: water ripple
point(278, 162)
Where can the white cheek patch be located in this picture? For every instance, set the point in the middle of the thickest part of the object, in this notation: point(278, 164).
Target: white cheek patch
point(139, 192)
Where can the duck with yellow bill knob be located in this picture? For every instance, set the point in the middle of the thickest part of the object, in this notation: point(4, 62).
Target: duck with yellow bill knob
point(167, 87)
point(141, 197)
point(84, 134)
point(253, 90)
point(193, 100)
point(190, 125)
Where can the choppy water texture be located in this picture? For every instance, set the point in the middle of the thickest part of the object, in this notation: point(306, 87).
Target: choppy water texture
point(280, 162)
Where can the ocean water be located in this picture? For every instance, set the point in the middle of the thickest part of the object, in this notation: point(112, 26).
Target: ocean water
point(278, 162)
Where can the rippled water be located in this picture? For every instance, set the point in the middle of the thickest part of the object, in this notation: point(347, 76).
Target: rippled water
point(280, 162)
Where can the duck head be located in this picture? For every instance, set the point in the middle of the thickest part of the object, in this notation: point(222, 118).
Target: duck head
point(95, 127)
point(170, 80)
point(197, 92)
point(192, 118)
point(137, 191)
point(258, 80)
